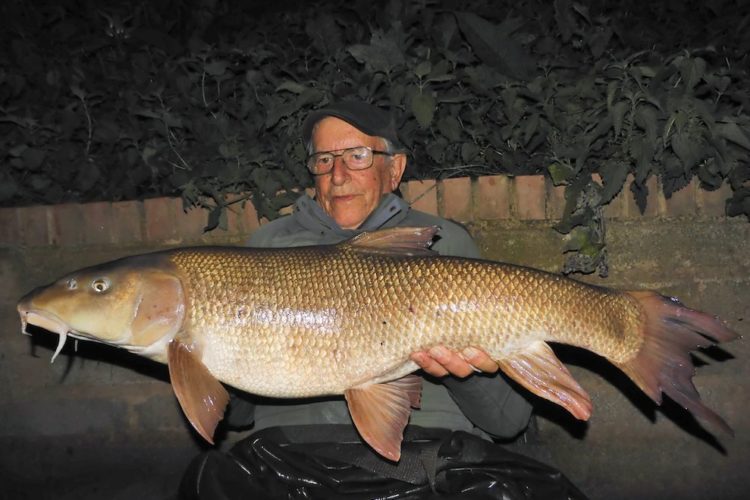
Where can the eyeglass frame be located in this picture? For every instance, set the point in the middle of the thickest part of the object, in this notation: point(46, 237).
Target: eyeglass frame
point(341, 153)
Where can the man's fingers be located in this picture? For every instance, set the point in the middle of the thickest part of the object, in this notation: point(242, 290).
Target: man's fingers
point(480, 360)
point(440, 361)
point(428, 364)
point(451, 361)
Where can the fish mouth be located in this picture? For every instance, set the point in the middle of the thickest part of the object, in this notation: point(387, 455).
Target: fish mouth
point(53, 324)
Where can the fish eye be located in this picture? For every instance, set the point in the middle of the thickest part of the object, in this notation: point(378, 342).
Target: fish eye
point(72, 284)
point(100, 285)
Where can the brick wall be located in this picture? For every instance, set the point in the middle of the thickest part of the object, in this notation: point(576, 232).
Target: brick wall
point(163, 220)
point(104, 410)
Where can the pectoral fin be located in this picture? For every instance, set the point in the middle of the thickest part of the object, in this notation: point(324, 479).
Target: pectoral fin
point(201, 396)
point(380, 412)
point(538, 369)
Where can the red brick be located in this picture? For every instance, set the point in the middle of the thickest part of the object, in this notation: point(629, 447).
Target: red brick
point(97, 222)
point(234, 219)
point(713, 203)
point(423, 196)
point(494, 197)
point(555, 200)
point(9, 227)
point(34, 223)
point(250, 220)
point(67, 228)
point(456, 199)
point(190, 224)
point(617, 208)
point(529, 197)
point(654, 200)
point(127, 222)
point(161, 219)
point(682, 202)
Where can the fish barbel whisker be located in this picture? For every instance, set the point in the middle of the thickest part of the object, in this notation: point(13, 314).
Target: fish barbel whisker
point(24, 324)
point(60, 344)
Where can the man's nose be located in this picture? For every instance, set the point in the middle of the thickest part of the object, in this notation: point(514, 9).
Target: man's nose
point(340, 172)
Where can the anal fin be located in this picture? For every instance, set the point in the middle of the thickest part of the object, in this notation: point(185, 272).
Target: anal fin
point(201, 395)
point(537, 369)
point(380, 412)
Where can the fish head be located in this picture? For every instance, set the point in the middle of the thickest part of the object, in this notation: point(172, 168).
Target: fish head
point(136, 303)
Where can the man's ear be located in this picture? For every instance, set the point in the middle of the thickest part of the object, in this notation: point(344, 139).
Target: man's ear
point(397, 167)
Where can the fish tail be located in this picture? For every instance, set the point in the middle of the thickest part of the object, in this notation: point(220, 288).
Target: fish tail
point(663, 364)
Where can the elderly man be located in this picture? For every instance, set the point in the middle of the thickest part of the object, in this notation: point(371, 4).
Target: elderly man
point(356, 161)
point(309, 448)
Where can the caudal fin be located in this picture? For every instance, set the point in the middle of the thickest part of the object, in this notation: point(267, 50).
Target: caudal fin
point(663, 363)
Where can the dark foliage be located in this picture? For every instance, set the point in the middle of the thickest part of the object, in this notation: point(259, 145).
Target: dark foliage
point(204, 98)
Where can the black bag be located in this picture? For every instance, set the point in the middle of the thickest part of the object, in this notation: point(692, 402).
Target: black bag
point(331, 462)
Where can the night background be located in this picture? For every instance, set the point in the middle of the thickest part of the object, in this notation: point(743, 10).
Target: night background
point(118, 100)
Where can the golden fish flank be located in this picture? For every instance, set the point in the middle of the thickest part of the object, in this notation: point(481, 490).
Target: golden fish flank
point(343, 319)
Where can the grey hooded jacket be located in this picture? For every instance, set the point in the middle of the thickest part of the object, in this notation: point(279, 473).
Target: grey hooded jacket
point(481, 404)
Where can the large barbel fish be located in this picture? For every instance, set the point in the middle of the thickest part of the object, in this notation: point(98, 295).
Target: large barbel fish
point(343, 319)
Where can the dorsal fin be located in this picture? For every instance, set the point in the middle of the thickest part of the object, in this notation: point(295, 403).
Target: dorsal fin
point(396, 241)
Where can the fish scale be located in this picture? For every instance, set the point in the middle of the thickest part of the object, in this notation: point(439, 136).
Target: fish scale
point(461, 302)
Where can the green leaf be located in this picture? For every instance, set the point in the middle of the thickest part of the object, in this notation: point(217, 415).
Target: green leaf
point(423, 106)
point(78, 91)
point(642, 151)
point(440, 72)
point(613, 175)
point(382, 55)
point(17, 151)
point(530, 127)
point(436, 151)
point(646, 118)
point(88, 175)
point(291, 86)
point(618, 115)
point(450, 127)
point(493, 44)
point(423, 69)
point(559, 172)
point(686, 148)
point(598, 41)
point(39, 182)
point(469, 151)
point(396, 94)
point(563, 18)
point(8, 189)
point(147, 113)
point(228, 149)
point(33, 158)
point(147, 153)
point(216, 68)
point(215, 217)
point(692, 70)
point(733, 133)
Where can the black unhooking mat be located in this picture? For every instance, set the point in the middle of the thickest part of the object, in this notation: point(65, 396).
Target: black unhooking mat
point(331, 462)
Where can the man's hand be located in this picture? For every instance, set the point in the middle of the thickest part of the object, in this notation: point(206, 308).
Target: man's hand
point(440, 361)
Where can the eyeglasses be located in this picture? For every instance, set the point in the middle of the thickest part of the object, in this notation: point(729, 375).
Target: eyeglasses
point(359, 158)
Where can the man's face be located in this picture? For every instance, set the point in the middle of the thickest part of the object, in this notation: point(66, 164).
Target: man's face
point(349, 196)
